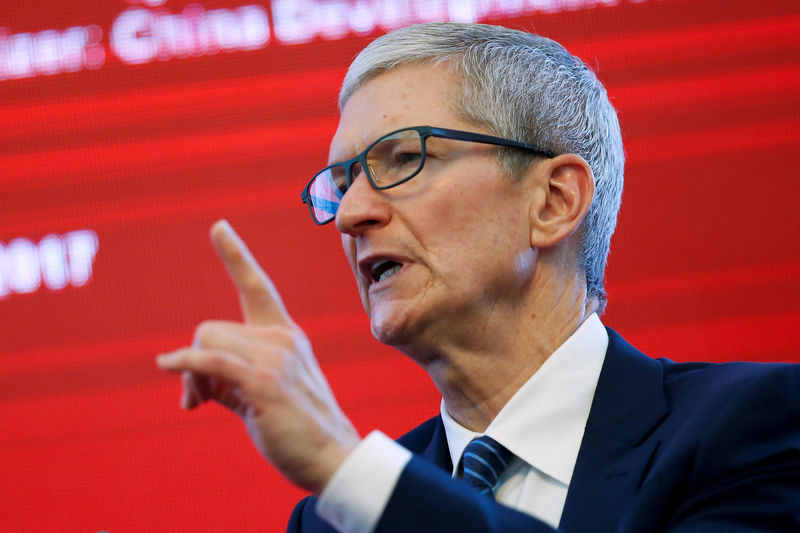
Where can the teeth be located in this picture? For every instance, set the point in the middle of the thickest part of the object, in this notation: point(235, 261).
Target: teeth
point(375, 270)
point(391, 272)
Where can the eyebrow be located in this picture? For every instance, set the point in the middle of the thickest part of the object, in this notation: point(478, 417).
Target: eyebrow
point(337, 158)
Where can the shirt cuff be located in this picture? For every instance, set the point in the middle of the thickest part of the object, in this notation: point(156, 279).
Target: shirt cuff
point(355, 497)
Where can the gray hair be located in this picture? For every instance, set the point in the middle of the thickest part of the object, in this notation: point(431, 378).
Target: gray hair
point(523, 87)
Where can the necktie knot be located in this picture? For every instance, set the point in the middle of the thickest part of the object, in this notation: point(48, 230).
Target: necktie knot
point(484, 461)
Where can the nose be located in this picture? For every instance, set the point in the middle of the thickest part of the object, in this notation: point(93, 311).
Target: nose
point(362, 208)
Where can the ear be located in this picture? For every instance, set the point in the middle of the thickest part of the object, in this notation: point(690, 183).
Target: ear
point(566, 192)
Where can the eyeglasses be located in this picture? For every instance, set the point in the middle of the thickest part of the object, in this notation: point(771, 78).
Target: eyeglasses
point(393, 159)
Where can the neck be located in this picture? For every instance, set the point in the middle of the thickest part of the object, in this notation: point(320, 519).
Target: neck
point(478, 374)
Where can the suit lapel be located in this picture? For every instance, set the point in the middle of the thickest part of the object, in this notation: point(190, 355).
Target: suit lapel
point(437, 450)
point(628, 404)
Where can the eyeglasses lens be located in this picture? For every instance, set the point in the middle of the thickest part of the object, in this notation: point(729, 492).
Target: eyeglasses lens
point(395, 158)
point(326, 192)
point(392, 159)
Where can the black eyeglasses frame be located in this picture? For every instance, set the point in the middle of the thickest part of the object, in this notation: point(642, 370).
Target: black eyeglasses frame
point(424, 132)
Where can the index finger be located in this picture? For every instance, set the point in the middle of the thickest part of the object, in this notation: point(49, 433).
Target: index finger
point(258, 297)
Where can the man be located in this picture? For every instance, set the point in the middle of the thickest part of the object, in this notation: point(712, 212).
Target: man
point(475, 178)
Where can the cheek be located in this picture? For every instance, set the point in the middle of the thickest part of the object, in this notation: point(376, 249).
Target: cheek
point(495, 247)
point(481, 200)
point(349, 248)
point(495, 226)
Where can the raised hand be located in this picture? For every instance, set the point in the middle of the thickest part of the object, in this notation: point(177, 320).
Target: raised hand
point(265, 371)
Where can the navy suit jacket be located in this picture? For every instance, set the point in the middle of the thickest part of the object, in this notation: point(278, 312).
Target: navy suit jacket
point(668, 447)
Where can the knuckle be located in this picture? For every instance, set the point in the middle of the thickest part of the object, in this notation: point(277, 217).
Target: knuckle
point(286, 341)
point(265, 374)
point(216, 362)
point(302, 342)
point(263, 380)
point(278, 362)
point(206, 332)
point(253, 283)
point(277, 334)
point(182, 356)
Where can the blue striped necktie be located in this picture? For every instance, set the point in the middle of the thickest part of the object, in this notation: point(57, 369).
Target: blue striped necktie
point(484, 461)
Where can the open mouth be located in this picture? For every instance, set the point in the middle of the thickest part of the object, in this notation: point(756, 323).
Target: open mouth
point(384, 269)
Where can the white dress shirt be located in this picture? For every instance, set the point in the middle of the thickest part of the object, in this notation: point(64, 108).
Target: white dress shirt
point(542, 425)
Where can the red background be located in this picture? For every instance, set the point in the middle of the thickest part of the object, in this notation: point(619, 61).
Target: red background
point(705, 263)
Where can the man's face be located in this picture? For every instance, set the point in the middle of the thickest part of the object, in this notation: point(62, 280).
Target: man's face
point(457, 235)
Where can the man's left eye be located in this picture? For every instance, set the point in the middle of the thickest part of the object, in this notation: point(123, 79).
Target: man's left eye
point(405, 158)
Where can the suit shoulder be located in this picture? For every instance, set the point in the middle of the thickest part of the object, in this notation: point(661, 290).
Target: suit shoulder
point(698, 394)
point(726, 380)
point(734, 402)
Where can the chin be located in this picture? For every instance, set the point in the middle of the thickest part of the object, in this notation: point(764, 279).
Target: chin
point(391, 326)
point(387, 333)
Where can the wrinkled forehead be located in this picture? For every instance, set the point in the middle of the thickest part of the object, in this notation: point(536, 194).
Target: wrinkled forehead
point(408, 95)
point(361, 74)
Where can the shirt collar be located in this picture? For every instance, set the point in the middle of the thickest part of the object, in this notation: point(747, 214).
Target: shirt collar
point(543, 423)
